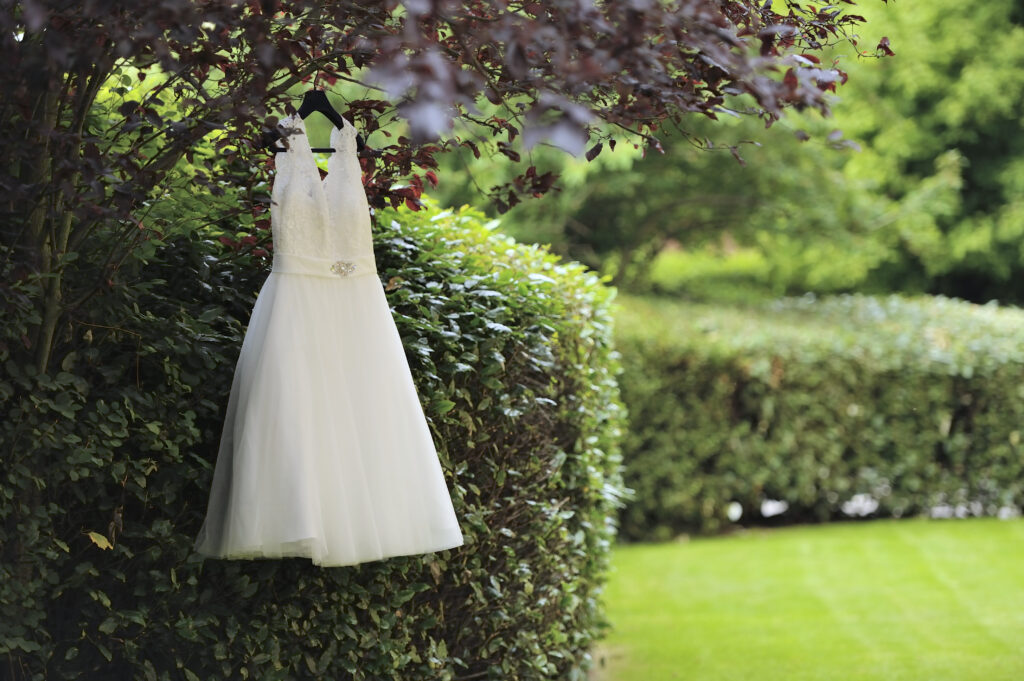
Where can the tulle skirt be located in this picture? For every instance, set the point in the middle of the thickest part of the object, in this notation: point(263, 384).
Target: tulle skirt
point(325, 451)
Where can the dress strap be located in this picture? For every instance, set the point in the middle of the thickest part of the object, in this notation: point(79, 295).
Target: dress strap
point(297, 168)
point(341, 138)
point(294, 138)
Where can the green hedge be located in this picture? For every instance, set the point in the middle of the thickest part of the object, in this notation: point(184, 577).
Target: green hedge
point(830, 405)
point(511, 352)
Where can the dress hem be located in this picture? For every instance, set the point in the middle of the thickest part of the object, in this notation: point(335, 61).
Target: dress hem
point(262, 554)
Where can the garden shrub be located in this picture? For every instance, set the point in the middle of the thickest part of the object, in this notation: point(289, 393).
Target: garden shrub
point(833, 406)
point(510, 349)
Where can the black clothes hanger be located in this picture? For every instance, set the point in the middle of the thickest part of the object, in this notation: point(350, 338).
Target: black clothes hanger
point(313, 101)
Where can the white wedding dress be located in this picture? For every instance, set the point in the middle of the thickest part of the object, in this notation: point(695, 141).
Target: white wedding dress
point(325, 451)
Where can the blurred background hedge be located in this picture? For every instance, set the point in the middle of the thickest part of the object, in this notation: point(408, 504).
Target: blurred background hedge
point(108, 461)
point(839, 407)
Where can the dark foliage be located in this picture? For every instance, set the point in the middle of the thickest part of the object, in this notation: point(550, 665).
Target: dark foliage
point(108, 459)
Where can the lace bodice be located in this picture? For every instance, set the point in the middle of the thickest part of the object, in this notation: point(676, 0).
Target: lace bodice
point(328, 219)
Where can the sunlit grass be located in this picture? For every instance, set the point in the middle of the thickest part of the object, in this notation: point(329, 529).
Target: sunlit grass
point(877, 601)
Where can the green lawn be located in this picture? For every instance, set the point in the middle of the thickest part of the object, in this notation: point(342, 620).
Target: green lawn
point(909, 600)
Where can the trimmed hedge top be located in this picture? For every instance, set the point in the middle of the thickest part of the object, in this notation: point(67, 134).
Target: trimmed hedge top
point(937, 334)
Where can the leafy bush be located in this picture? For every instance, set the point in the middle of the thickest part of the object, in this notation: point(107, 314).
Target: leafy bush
point(832, 406)
point(108, 462)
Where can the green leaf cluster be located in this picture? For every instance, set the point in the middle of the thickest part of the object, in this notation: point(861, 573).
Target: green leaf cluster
point(910, 404)
point(108, 462)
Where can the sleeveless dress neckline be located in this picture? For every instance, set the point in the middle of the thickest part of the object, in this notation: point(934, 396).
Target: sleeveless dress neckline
point(307, 146)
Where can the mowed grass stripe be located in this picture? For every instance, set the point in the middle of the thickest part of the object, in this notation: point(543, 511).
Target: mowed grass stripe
point(884, 600)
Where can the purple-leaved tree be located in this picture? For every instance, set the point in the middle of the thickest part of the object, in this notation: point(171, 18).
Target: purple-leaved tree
point(577, 73)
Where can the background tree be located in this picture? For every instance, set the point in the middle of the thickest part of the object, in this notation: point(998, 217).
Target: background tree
point(626, 211)
point(946, 114)
point(913, 185)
